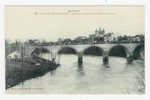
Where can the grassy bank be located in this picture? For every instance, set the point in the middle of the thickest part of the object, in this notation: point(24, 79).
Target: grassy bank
point(17, 72)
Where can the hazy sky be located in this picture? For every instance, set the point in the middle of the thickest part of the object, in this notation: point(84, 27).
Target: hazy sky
point(50, 23)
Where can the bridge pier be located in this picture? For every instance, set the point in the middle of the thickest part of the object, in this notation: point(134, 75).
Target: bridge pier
point(105, 58)
point(80, 59)
point(129, 58)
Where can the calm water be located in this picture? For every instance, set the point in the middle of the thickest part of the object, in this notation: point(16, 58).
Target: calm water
point(91, 78)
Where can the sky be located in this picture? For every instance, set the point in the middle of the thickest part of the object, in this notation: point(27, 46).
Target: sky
point(52, 22)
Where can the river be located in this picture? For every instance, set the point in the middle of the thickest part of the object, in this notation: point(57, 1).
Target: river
point(90, 78)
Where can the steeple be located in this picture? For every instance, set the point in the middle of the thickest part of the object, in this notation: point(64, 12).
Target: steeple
point(96, 31)
point(103, 31)
point(99, 29)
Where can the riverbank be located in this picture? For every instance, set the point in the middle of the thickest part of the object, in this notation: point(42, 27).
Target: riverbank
point(17, 72)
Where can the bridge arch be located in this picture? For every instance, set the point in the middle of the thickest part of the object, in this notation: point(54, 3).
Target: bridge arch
point(118, 50)
point(38, 50)
point(138, 49)
point(93, 50)
point(67, 50)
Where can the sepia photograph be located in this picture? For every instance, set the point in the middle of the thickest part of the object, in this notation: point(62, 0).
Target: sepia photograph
point(74, 49)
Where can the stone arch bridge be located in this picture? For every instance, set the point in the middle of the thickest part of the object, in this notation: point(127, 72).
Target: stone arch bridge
point(80, 50)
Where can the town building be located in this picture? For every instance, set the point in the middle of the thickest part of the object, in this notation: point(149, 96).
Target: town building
point(98, 36)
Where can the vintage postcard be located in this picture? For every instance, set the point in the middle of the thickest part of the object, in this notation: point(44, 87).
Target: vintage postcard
point(74, 49)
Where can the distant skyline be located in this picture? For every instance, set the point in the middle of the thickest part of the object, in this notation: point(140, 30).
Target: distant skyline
point(27, 22)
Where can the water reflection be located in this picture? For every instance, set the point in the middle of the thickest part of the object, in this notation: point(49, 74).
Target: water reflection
point(80, 70)
point(52, 72)
point(91, 77)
